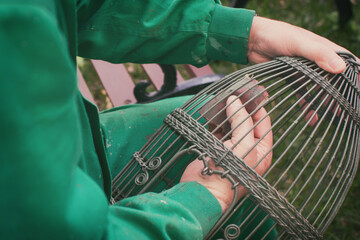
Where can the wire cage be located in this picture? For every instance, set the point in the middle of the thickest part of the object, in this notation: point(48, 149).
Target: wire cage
point(315, 126)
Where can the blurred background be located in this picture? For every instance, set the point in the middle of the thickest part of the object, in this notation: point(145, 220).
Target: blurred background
point(339, 21)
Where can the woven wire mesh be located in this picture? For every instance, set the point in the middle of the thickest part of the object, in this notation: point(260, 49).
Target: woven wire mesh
point(315, 127)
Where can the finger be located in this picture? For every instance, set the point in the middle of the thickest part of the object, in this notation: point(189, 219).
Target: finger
point(334, 105)
point(321, 51)
point(263, 127)
point(335, 47)
point(325, 58)
point(240, 121)
point(263, 131)
point(311, 116)
point(218, 133)
point(339, 110)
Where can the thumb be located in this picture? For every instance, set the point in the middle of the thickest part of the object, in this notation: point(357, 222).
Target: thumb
point(329, 60)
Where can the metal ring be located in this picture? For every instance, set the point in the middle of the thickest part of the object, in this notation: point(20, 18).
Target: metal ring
point(232, 231)
point(141, 178)
point(154, 163)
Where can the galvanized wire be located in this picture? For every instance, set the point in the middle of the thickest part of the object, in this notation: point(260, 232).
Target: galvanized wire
point(315, 120)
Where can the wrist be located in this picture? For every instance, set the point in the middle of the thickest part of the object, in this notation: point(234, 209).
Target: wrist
point(220, 188)
point(224, 199)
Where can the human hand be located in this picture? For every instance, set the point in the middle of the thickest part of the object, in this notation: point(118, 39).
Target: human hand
point(221, 188)
point(269, 39)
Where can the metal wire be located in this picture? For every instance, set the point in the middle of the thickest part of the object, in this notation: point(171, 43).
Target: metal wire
point(315, 126)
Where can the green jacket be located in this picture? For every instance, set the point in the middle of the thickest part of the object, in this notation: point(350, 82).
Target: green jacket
point(54, 179)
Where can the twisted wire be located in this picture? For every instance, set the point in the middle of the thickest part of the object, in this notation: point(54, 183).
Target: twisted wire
point(266, 196)
point(320, 80)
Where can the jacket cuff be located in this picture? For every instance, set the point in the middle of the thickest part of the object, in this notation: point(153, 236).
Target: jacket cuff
point(229, 34)
point(199, 201)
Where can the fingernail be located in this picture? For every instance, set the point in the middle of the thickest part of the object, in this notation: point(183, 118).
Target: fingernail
point(337, 65)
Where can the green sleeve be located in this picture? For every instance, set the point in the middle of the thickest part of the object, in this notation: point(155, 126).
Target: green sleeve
point(44, 193)
point(183, 31)
point(187, 211)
